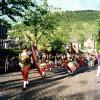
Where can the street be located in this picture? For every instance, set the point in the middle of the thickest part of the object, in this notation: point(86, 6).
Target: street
point(57, 85)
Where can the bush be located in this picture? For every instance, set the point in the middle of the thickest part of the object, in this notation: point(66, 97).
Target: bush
point(6, 55)
point(6, 52)
point(57, 45)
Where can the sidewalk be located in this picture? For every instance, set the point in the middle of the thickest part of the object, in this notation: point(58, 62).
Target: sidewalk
point(56, 86)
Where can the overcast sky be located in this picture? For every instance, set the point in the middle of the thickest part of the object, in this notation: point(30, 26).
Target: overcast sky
point(76, 4)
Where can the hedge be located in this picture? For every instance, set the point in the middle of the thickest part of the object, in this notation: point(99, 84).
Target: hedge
point(12, 52)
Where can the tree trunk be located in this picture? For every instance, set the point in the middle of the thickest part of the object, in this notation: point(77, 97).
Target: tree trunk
point(35, 41)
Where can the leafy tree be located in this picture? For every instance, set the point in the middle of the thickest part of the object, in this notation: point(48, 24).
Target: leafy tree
point(21, 33)
point(42, 22)
point(38, 23)
point(57, 45)
point(98, 35)
point(11, 9)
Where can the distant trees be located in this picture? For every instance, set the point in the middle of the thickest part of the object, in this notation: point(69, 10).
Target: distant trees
point(82, 15)
point(98, 35)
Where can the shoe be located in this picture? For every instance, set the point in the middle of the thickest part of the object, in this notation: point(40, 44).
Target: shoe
point(27, 85)
point(24, 89)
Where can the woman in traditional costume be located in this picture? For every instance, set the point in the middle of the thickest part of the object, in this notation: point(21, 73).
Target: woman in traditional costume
point(25, 60)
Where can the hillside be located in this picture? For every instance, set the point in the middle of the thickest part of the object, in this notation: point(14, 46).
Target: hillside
point(83, 15)
point(79, 25)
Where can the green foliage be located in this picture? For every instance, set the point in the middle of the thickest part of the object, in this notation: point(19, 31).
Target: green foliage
point(82, 15)
point(98, 41)
point(37, 24)
point(97, 35)
point(21, 32)
point(14, 8)
point(44, 27)
point(98, 24)
point(79, 24)
point(12, 52)
point(57, 45)
point(5, 23)
point(41, 23)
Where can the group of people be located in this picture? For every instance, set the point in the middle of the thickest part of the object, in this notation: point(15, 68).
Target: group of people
point(46, 61)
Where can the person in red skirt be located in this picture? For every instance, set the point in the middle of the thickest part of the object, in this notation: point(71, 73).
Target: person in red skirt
point(25, 60)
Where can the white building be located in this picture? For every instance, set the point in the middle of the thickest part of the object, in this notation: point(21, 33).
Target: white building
point(89, 44)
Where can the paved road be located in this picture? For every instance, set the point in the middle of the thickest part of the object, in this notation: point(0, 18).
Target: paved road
point(56, 86)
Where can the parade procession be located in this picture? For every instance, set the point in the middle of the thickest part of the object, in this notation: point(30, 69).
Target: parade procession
point(49, 50)
point(45, 62)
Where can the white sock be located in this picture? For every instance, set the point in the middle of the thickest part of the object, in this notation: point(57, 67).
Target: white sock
point(50, 69)
point(98, 71)
point(24, 84)
point(27, 82)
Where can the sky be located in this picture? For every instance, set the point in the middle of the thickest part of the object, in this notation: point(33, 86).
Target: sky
point(72, 5)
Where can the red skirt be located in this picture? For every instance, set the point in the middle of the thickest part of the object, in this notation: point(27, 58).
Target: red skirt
point(25, 72)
